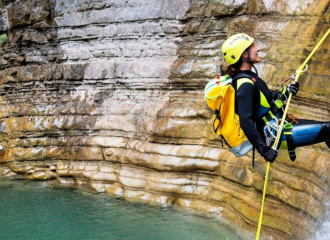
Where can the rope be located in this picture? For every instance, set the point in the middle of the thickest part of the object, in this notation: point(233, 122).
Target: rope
point(279, 133)
point(263, 201)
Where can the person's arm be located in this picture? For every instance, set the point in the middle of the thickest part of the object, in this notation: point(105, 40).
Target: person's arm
point(291, 88)
point(245, 96)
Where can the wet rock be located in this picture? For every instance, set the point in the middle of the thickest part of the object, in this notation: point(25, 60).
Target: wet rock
point(19, 14)
point(27, 12)
point(109, 95)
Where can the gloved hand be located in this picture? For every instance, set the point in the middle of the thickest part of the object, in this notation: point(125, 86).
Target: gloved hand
point(293, 88)
point(270, 155)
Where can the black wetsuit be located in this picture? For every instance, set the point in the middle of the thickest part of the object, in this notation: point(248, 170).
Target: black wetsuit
point(248, 106)
point(248, 103)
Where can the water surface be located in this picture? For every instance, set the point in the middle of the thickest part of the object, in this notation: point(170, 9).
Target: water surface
point(38, 210)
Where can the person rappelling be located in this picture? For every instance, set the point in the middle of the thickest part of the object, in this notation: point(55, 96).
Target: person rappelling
point(258, 108)
point(248, 115)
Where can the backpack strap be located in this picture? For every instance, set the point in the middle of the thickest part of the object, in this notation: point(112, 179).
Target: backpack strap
point(247, 78)
point(242, 81)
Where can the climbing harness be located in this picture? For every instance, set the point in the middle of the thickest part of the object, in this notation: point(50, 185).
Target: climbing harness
point(271, 128)
point(295, 76)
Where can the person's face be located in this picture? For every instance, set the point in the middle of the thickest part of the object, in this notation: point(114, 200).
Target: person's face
point(253, 53)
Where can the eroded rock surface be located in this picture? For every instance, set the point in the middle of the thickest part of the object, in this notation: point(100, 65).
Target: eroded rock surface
point(109, 95)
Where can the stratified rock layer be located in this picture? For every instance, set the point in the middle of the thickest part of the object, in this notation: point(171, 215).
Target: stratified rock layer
point(109, 95)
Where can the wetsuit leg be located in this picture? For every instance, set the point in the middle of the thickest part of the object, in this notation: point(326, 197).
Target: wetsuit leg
point(304, 135)
point(308, 134)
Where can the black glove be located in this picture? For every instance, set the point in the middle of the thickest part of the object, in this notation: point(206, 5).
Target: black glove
point(270, 155)
point(293, 88)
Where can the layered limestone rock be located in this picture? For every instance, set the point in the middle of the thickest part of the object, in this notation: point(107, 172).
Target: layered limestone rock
point(109, 95)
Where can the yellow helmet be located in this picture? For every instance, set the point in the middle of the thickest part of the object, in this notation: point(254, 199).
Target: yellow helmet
point(234, 46)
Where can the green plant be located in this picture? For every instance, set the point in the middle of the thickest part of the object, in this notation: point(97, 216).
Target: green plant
point(3, 38)
point(114, 65)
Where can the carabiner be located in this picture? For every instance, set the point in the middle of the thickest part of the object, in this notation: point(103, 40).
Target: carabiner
point(305, 70)
point(294, 76)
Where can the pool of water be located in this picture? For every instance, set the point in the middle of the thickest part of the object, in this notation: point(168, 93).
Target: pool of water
point(39, 210)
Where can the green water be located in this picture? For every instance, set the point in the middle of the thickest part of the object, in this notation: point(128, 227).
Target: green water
point(43, 211)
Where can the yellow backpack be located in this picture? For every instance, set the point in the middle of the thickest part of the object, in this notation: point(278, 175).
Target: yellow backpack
point(219, 97)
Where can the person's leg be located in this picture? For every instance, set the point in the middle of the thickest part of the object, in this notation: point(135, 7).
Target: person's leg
point(311, 133)
point(324, 134)
point(306, 132)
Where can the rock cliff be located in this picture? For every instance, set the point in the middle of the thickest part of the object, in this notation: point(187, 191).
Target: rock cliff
point(109, 95)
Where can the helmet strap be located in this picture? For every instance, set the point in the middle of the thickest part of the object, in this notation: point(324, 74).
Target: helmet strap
point(250, 61)
point(249, 58)
point(255, 69)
